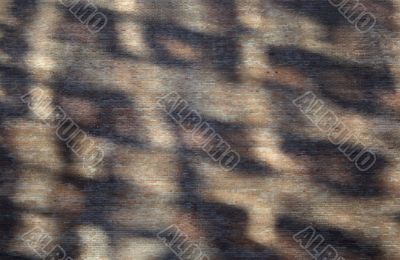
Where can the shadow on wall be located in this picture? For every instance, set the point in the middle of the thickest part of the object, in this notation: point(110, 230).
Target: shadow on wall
point(349, 85)
point(334, 14)
point(218, 52)
point(347, 244)
point(329, 167)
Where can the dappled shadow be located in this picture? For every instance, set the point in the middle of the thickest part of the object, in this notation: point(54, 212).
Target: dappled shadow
point(349, 85)
point(331, 168)
point(14, 81)
point(224, 225)
point(227, 226)
point(219, 52)
point(154, 173)
point(334, 15)
point(107, 109)
point(346, 243)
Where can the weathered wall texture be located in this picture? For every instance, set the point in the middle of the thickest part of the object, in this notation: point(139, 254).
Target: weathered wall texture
point(239, 64)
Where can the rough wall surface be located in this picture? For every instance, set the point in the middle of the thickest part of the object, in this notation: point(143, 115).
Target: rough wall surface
point(94, 165)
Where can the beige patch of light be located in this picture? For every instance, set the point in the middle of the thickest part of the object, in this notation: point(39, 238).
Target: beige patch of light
point(249, 14)
point(39, 59)
point(4, 56)
point(193, 16)
point(157, 170)
point(261, 223)
point(141, 248)
point(360, 129)
point(181, 50)
point(35, 143)
point(94, 243)
point(159, 131)
point(268, 149)
point(89, 171)
point(123, 6)
point(260, 213)
point(40, 98)
point(229, 103)
point(131, 36)
point(28, 222)
point(83, 111)
point(35, 189)
point(3, 93)
point(6, 16)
